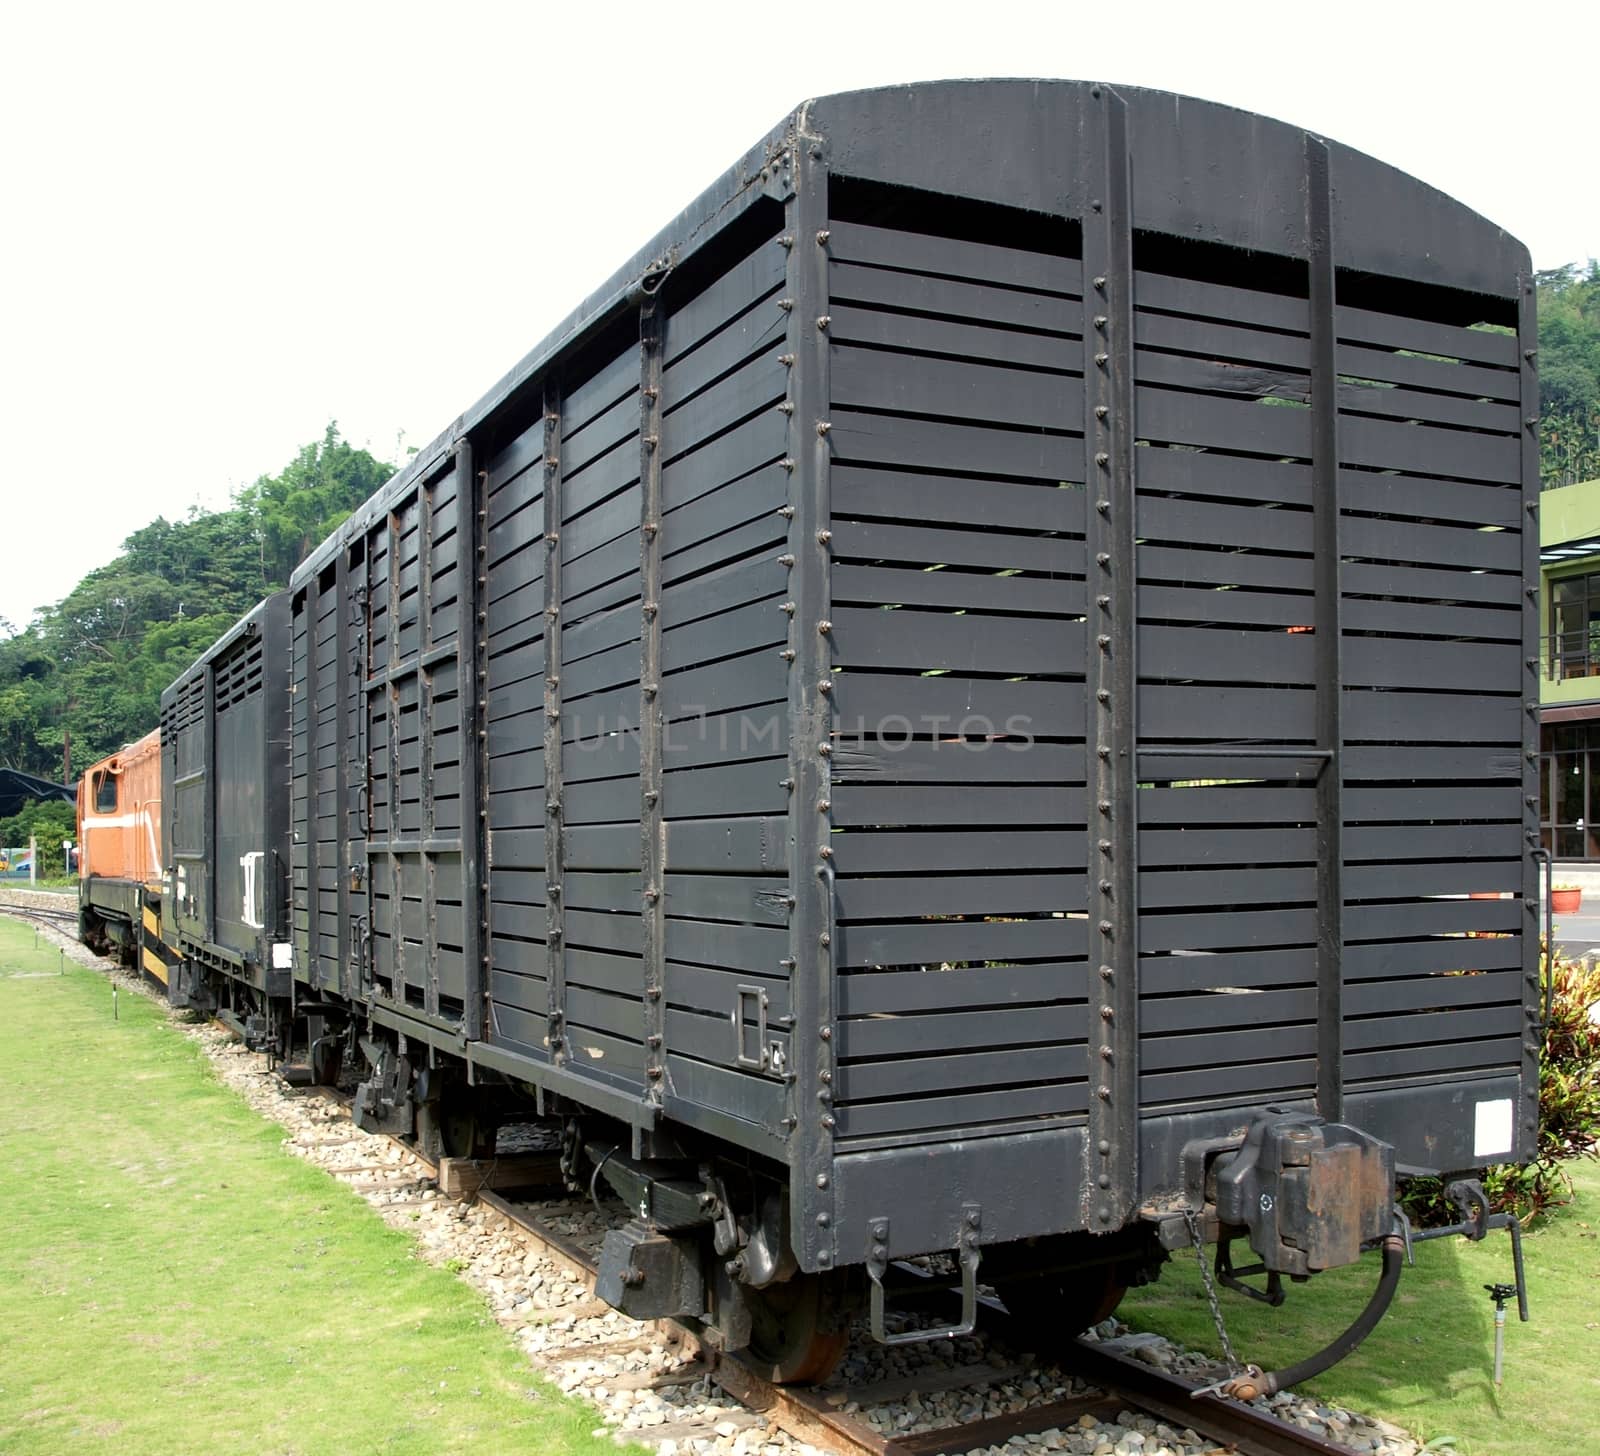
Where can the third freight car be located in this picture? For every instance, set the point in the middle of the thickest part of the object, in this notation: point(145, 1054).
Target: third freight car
point(224, 763)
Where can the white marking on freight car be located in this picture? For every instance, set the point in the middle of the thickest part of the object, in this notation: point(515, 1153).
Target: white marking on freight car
point(1491, 1129)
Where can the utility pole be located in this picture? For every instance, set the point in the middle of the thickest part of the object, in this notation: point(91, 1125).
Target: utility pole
point(66, 755)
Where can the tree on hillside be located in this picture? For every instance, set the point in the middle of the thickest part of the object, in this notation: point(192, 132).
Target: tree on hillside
point(1569, 374)
point(297, 508)
point(95, 664)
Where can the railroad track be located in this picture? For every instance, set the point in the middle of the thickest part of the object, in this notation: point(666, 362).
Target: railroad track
point(1123, 1383)
point(839, 1419)
point(64, 920)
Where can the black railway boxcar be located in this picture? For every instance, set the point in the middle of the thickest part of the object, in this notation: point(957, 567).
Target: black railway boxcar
point(956, 705)
point(225, 823)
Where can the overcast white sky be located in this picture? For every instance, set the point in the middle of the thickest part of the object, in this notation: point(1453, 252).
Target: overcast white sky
point(222, 226)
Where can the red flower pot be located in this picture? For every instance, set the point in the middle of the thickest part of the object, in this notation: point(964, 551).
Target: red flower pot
point(1566, 902)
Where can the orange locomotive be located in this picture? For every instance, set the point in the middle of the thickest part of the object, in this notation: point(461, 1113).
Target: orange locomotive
point(119, 867)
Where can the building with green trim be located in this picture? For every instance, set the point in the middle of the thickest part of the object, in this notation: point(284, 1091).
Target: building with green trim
point(1569, 670)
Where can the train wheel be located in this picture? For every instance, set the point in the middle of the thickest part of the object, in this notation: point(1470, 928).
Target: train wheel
point(797, 1334)
point(1051, 1310)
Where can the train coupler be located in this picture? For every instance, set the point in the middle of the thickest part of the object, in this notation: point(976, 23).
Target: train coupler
point(1312, 1194)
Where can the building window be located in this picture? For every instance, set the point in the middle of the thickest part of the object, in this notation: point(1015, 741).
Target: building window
point(1574, 646)
point(1569, 789)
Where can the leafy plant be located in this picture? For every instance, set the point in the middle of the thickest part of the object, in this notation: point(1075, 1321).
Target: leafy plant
point(49, 823)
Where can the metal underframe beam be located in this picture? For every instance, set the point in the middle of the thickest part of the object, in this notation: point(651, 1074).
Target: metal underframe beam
point(1329, 639)
point(1111, 1176)
point(554, 848)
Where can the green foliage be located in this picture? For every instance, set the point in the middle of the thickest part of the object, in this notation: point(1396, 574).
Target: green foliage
point(49, 823)
point(1569, 374)
point(1569, 1110)
point(92, 668)
point(294, 510)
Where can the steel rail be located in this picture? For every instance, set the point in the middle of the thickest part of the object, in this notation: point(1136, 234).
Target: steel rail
point(808, 1415)
point(60, 920)
point(1124, 1384)
point(1246, 1428)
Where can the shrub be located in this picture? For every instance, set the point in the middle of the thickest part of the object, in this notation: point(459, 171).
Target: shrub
point(48, 821)
point(1569, 1110)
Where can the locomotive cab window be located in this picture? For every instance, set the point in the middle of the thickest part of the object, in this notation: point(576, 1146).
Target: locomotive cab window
point(105, 794)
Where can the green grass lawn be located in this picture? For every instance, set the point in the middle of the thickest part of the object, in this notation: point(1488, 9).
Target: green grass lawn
point(171, 1281)
point(1430, 1365)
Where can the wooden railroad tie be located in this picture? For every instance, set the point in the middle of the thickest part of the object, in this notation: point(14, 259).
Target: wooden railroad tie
point(464, 1177)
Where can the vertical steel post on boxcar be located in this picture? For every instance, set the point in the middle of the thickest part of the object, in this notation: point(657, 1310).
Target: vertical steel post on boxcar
point(1329, 631)
point(554, 848)
point(311, 613)
point(341, 764)
point(472, 679)
point(353, 699)
point(1526, 1140)
point(428, 834)
point(209, 758)
point(277, 668)
point(1111, 1176)
point(389, 685)
point(652, 845)
point(810, 703)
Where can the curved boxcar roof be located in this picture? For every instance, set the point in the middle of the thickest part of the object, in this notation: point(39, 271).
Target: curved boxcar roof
point(1199, 171)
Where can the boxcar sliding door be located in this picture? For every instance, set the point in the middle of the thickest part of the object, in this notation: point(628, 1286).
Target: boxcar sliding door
point(421, 790)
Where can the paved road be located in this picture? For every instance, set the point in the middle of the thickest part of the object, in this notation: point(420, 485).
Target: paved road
point(1579, 934)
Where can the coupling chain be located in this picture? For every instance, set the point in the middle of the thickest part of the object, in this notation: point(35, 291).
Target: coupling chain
point(1192, 1217)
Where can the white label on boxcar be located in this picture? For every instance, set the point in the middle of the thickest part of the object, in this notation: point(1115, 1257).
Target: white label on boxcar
point(250, 910)
point(282, 955)
point(1491, 1133)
